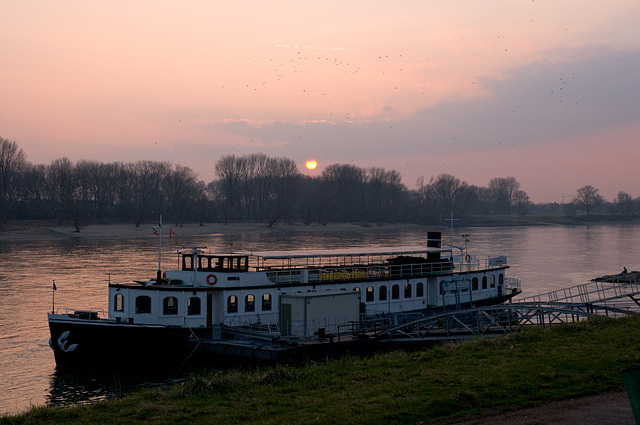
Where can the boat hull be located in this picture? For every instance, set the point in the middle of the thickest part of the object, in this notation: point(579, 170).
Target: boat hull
point(83, 342)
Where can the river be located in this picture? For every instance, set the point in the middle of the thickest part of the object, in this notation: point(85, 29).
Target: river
point(544, 258)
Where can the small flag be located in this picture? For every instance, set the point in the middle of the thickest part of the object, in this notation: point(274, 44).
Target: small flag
point(154, 232)
point(54, 286)
point(171, 233)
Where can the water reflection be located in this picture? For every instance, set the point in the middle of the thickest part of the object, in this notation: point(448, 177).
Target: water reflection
point(75, 388)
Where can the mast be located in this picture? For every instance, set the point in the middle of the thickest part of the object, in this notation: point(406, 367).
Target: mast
point(158, 231)
point(452, 220)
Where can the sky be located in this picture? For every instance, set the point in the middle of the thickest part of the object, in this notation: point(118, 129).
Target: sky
point(544, 91)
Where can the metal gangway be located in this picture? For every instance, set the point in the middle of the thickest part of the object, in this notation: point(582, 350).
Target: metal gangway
point(615, 292)
point(570, 305)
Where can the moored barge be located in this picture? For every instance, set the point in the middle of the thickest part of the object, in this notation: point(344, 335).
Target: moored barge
point(275, 294)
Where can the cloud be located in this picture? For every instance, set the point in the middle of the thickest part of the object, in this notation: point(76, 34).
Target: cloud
point(539, 103)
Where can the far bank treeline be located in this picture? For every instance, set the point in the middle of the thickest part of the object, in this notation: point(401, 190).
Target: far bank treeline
point(257, 188)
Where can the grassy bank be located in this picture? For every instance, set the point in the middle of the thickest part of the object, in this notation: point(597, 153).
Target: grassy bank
point(445, 382)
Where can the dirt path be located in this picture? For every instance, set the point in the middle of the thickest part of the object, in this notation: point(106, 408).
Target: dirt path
point(607, 408)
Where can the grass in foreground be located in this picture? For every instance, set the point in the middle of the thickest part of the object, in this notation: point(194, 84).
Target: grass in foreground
point(445, 382)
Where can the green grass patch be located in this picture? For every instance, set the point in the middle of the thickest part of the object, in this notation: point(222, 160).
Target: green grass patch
point(445, 382)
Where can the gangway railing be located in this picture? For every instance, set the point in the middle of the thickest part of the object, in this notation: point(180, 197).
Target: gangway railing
point(597, 291)
point(605, 297)
point(492, 321)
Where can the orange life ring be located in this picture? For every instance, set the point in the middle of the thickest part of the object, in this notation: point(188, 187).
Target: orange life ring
point(467, 257)
point(212, 279)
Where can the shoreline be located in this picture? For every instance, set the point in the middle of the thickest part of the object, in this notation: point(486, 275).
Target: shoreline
point(43, 230)
point(29, 230)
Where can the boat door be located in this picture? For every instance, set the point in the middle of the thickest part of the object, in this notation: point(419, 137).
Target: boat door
point(215, 307)
point(285, 319)
point(209, 309)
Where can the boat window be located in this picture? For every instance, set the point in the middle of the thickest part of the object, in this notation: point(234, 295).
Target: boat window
point(118, 304)
point(170, 305)
point(369, 294)
point(356, 289)
point(395, 292)
point(382, 293)
point(143, 304)
point(474, 284)
point(420, 289)
point(193, 306)
point(407, 290)
point(484, 282)
point(232, 304)
point(493, 281)
point(250, 303)
point(266, 302)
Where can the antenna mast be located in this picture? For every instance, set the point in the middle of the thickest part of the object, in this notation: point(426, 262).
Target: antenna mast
point(158, 231)
point(451, 220)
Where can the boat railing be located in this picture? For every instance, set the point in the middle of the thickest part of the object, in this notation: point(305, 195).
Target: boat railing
point(360, 273)
point(257, 327)
point(473, 264)
point(258, 322)
point(588, 293)
point(91, 314)
point(512, 283)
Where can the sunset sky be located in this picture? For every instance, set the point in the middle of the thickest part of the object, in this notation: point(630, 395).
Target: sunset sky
point(544, 91)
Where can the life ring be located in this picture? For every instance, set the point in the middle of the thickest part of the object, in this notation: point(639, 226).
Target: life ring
point(467, 258)
point(212, 279)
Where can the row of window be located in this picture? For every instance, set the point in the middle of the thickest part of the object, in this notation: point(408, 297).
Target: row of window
point(369, 294)
point(474, 282)
point(169, 305)
point(249, 303)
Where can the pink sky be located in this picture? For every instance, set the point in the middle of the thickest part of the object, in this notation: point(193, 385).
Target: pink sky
point(547, 92)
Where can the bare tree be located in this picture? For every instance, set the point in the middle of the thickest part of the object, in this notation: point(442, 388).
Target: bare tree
point(502, 191)
point(97, 184)
point(284, 188)
point(123, 187)
point(33, 195)
point(64, 192)
point(588, 198)
point(624, 204)
point(180, 187)
point(12, 163)
point(521, 202)
point(384, 191)
point(229, 171)
point(148, 200)
point(344, 185)
point(444, 189)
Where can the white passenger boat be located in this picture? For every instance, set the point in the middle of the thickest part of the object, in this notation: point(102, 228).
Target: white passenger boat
point(297, 293)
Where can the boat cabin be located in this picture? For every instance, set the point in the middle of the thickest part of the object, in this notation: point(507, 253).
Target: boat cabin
point(215, 263)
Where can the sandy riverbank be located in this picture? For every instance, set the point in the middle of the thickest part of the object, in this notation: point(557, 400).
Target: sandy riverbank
point(37, 230)
point(51, 229)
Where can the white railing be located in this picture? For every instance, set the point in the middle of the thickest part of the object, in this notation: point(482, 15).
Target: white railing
point(592, 292)
point(512, 283)
point(92, 314)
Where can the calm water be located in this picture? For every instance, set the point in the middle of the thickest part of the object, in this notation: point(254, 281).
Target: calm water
point(545, 258)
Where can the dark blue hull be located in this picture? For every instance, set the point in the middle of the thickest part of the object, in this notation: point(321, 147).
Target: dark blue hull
point(82, 342)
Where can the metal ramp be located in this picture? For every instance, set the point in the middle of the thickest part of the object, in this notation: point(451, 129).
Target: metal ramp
point(600, 292)
point(570, 305)
point(482, 321)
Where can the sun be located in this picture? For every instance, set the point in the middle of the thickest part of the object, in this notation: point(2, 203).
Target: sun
point(311, 164)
